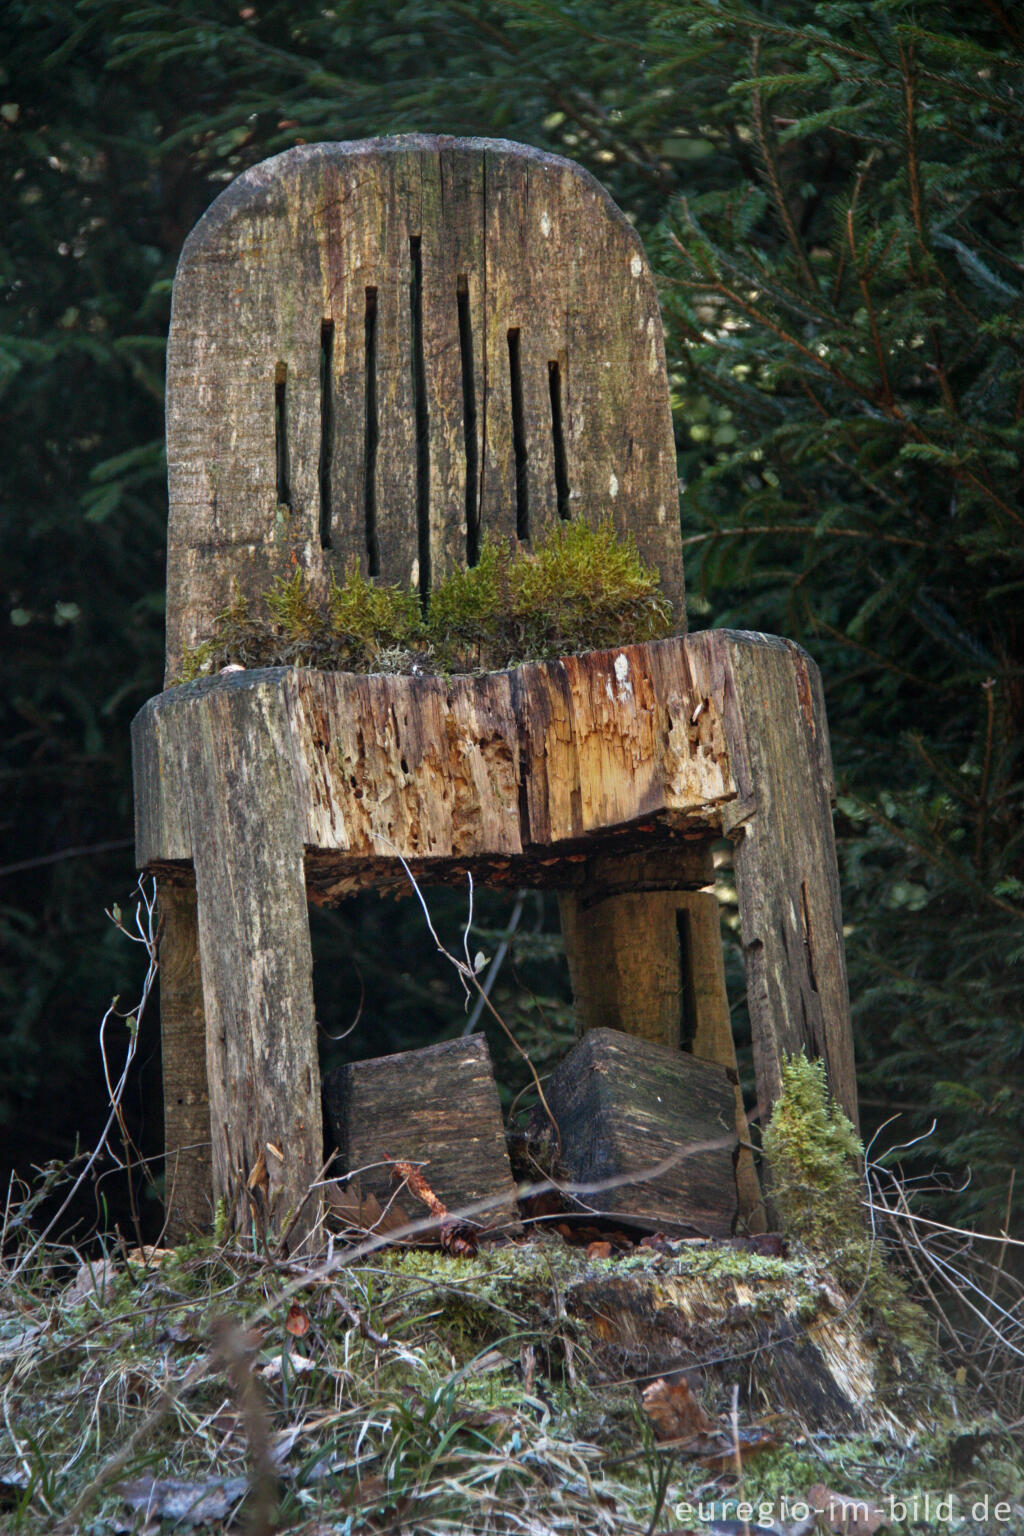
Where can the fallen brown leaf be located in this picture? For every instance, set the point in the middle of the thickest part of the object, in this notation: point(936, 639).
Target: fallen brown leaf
point(722, 1457)
point(674, 1411)
point(294, 1365)
point(297, 1323)
point(149, 1257)
point(258, 1177)
point(599, 1249)
point(412, 1176)
point(171, 1498)
point(459, 1239)
point(92, 1279)
point(351, 1209)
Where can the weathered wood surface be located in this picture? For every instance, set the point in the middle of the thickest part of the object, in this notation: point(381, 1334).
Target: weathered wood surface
point(623, 1106)
point(505, 774)
point(650, 963)
point(463, 769)
point(438, 1106)
point(390, 349)
point(256, 965)
point(768, 696)
point(183, 1052)
point(803, 1348)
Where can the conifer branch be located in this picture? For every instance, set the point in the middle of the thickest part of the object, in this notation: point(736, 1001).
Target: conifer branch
point(774, 178)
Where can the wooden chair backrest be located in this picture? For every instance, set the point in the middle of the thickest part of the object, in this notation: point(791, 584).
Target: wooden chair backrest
point(394, 348)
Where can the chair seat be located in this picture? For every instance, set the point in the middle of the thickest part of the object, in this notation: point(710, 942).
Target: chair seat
point(512, 774)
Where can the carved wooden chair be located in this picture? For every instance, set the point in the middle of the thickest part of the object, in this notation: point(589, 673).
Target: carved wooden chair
point(392, 349)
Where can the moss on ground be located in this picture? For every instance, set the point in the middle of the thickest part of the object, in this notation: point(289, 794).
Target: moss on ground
point(407, 1387)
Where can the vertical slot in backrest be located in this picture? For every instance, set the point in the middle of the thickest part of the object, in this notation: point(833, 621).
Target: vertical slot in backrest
point(284, 495)
point(469, 421)
point(371, 434)
point(419, 395)
point(515, 373)
point(326, 428)
point(558, 439)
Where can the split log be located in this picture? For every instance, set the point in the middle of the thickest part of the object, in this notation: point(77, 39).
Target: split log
point(624, 1107)
point(439, 1107)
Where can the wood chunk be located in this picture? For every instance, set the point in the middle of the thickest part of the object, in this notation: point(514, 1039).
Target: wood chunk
point(650, 962)
point(438, 1107)
point(623, 1106)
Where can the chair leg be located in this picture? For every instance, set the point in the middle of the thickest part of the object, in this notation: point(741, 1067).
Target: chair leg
point(769, 698)
point(623, 954)
point(257, 968)
point(183, 1051)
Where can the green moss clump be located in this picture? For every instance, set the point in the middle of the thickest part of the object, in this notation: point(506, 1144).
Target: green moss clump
point(581, 589)
point(813, 1151)
point(358, 628)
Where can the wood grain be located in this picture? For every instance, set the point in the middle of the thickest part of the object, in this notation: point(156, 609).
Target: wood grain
point(711, 733)
point(769, 698)
point(532, 243)
point(623, 1106)
point(255, 958)
point(387, 351)
point(188, 1195)
point(438, 1106)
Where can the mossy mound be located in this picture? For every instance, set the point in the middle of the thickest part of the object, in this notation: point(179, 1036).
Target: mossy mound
point(817, 1187)
point(580, 589)
point(408, 1388)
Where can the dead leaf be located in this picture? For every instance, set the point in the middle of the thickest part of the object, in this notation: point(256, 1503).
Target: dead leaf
point(459, 1239)
point(297, 1323)
point(527, 1364)
point(599, 1249)
point(845, 1515)
point(674, 1411)
point(92, 1279)
point(274, 1369)
point(149, 1257)
point(770, 1245)
point(722, 1458)
point(171, 1498)
point(258, 1177)
point(409, 1174)
point(350, 1209)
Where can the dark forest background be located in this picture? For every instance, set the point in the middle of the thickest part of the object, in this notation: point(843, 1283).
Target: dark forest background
point(831, 195)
